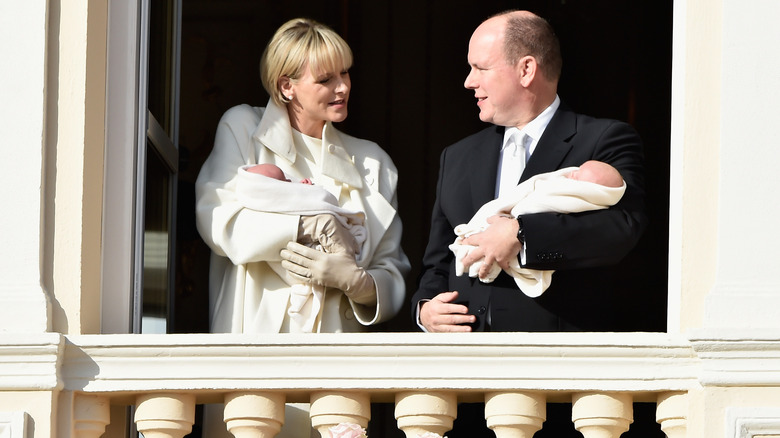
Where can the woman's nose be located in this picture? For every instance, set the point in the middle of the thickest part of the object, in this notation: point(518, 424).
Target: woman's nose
point(343, 86)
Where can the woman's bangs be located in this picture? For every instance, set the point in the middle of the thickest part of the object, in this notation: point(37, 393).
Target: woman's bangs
point(327, 58)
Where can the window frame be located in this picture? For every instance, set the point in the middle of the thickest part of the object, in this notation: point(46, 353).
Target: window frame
point(129, 126)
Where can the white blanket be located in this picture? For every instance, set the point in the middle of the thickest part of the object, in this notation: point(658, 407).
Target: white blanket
point(262, 193)
point(547, 192)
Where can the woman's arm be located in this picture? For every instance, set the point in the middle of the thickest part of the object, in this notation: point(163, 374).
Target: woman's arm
point(225, 224)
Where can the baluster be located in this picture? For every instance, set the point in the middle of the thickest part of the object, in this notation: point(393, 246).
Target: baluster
point(515, 414)
point(598, 415)
point(165, 415)
point(331, 408)
point(91, 414)
point(417, 413)
point(254, 414)
point(672, 413)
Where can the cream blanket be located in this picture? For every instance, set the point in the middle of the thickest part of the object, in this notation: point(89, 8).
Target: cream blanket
point(269, 195)
point(546, 192)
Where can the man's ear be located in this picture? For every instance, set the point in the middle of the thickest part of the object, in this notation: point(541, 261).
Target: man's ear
point(527, 69)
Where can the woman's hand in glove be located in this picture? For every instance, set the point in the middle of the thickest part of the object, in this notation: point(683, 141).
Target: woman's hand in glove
point(338, 270)
point(312, 228)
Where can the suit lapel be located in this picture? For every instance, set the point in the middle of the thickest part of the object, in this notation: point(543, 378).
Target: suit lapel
point(483, 167)
point(554, 144)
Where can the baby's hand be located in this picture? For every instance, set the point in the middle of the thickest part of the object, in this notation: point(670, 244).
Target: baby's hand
point(307, 181)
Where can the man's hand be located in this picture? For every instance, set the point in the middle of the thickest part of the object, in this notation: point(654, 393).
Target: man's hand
point(440, 315)
point(498, 243)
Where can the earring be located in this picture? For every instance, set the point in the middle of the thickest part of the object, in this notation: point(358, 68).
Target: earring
point(286, 98)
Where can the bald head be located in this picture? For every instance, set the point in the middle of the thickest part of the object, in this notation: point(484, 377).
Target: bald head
point(527, 34)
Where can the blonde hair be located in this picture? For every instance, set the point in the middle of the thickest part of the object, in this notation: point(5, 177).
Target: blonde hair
point(296, 44)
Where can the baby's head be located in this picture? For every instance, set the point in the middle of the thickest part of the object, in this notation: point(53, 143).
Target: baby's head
point(269, 170)
point(597, 172)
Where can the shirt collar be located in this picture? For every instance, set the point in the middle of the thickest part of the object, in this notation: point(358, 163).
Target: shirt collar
point(535, 128)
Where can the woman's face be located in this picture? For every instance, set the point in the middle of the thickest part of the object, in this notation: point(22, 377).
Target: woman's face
point(317, 98)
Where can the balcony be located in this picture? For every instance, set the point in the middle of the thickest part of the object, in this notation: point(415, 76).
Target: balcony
point(424, 375)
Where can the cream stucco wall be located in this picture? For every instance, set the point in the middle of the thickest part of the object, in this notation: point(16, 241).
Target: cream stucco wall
point(723, 210)
point(22, 117)
point(74, 162)
point(694, 160)
point(40, 407)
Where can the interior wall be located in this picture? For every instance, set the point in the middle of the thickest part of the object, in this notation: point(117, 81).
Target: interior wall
point(408, 96)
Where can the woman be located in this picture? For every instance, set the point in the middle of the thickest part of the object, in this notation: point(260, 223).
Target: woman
point(304, 69)
point(257, 256)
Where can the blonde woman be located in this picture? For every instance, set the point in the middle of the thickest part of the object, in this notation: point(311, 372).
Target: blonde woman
point(305, 70)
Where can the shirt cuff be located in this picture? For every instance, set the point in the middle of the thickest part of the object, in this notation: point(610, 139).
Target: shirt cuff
point(417, 318)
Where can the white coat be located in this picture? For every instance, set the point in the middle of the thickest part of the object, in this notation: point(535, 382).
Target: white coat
point(246, 295)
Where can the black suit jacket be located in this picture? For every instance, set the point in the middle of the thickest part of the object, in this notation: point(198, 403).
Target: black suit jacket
point(582, 248)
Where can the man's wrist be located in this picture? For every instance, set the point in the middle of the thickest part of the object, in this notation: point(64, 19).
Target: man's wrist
point(520, 230)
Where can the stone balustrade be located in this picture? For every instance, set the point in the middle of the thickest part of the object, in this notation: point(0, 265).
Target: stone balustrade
point(424, 375)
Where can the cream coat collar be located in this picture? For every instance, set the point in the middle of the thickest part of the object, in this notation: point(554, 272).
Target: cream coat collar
point(275, 133)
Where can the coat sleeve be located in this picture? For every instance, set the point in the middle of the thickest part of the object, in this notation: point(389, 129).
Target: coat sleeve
point(389, 264)
point(227, 226)
point(389, 268)
point(437, 258)
point(556, 241)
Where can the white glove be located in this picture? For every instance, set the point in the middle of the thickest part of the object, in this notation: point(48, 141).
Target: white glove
point(312, 228)
point(336, 270)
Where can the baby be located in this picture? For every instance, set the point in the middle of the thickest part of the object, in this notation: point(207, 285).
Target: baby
point(592, 186)
point(273, 171)
point(263, 187)
point(597, 172)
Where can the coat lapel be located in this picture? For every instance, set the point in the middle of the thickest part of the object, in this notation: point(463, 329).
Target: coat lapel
point(482, 168)
point(554, 144)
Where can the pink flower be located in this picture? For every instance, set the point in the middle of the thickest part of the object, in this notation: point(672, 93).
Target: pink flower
point(430, 435)
point(347, 430)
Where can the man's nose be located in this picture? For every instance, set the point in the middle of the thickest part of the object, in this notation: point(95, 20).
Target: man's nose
point(469, 82)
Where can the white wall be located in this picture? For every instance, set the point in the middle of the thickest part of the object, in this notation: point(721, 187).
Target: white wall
point(747, 289)
point(23, 304)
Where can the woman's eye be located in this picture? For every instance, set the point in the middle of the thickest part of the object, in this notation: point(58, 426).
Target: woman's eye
point(324, 80)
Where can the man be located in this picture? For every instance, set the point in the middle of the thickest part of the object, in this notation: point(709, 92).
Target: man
point(515, 66)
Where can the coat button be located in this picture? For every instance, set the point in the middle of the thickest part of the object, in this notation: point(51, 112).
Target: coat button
point(349, 314)
point(481, 310)
point(331, 148)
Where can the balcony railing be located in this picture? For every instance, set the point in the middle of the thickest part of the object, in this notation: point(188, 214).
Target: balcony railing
point(425, 375)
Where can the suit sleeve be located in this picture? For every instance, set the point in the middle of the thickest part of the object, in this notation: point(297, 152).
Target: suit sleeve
point(597, 238)
point(227, 226)
point(437, 258)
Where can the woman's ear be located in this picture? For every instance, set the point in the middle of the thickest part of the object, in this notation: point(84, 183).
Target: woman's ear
point(286, 88)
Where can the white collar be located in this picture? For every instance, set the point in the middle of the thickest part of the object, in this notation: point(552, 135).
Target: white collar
point(275, 133)
point(535, 128)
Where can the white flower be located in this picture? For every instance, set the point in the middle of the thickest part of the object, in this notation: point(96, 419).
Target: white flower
point(430, 435)
point(347, 430)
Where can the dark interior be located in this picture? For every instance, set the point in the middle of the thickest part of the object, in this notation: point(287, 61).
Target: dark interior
point(408, 96)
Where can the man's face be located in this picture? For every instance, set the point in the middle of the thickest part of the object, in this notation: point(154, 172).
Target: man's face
point(496, 84)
